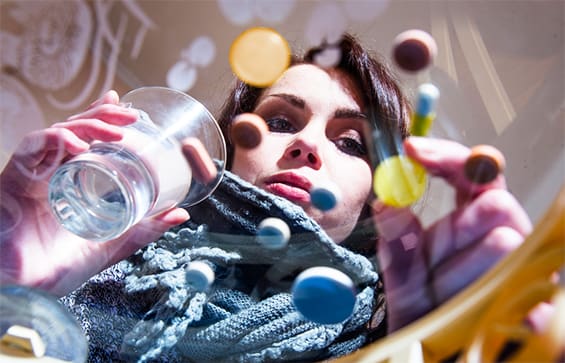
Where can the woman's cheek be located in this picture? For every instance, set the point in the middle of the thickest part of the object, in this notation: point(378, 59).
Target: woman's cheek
point(244, 164)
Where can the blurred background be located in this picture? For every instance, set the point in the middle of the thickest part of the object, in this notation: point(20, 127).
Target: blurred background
point(499, 67)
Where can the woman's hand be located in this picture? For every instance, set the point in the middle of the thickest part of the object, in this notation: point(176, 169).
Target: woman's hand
point(424, 267)
point(36, 250)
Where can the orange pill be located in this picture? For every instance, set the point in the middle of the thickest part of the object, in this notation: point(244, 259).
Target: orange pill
point(259, 56)
point(247, 130)
point(203, 168)
point(484, 164)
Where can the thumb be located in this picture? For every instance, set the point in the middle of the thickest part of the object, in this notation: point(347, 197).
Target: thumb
point(143, 233)
point(400, 245)
point(150, 229)
point(402, 260)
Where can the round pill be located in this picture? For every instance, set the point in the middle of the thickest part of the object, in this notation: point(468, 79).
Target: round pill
point(324, 295)
point(259, 56)
point(325, 196)
point(247, 130)
point(199, 275)
point(399, 181)
point(273, 233)
point(414, 50)
point(484, 164)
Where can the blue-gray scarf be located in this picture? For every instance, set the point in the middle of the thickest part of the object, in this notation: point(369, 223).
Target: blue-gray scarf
point(143, 310)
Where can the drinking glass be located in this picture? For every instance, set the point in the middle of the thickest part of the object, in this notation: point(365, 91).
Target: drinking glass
point(101, 193)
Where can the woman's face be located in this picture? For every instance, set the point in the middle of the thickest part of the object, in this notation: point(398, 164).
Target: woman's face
point(317, 134)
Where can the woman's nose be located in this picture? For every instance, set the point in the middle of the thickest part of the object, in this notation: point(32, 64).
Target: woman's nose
point(305, 152)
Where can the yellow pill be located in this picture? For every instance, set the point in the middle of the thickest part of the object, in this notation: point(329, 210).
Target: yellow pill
point(399, 181)
point(259, 56)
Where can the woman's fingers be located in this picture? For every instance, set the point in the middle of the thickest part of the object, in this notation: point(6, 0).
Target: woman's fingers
point(35, 146)
point(90, 130)
point(446, 159)
point(100, 122)
point(465, 226)
point(464, 267)
point(110, 97)
point(110, 113)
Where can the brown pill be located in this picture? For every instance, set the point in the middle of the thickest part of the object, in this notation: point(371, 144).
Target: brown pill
point(247, 130)
point(203, 168)
point(414, 50)
point(484, 164)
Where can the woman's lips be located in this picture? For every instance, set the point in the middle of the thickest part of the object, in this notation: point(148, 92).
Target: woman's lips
point(289, 192)
point(290, 186)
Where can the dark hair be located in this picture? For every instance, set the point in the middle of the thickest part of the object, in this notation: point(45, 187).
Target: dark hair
point(387, 110)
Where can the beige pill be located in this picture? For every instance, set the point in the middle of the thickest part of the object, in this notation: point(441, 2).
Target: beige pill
point(484, 164)
point(22, 341)
point(247, 130)
point(203, 168)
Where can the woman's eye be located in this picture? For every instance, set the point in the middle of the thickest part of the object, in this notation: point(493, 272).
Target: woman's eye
point(351, 146)
point(278, 124)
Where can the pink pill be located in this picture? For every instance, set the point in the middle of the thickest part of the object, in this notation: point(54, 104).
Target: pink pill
point(203, 168)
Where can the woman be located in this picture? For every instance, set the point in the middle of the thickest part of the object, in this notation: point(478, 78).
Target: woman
point(317, 120)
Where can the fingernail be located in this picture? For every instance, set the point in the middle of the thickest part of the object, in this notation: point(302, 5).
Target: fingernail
point(113, 96)
point(377, 206)
point(420, 143)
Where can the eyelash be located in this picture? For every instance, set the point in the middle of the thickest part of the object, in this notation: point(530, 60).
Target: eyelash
point(274, 125)
point(348, 145)
point(351, 146)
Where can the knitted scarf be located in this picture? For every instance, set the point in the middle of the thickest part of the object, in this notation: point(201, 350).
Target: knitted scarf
point(143, 310)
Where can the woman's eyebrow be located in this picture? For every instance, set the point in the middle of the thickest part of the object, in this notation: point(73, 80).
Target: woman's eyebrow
point(349, 113)
point(298, 102)
point(292, 99)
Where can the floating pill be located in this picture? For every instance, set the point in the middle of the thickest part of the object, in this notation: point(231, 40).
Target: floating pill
point(484, 164)
point(36, 327)
point(22, 341)
point(273, 233)
point(414, 50)
point(325, 196)
point(247, 130)
point(259, 56)
point(199, 275)
point(399, 181)
point(324, 295)
point(424, 113)
point(203, 168)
